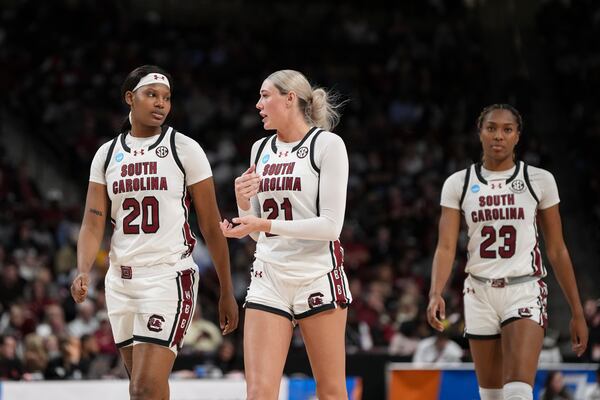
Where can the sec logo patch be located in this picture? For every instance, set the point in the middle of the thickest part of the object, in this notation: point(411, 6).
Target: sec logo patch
point(302, 152)
point(162, 151)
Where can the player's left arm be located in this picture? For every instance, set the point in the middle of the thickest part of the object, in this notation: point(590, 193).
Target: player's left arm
point(205, 204)
point(558, 255)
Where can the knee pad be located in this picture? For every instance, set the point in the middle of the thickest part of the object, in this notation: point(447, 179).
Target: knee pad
point(518, 391)
point(491, 394)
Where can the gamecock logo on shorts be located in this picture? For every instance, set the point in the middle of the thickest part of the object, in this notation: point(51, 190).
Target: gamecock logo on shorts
point(524, 312)
point(315, 300)
point(155, 322)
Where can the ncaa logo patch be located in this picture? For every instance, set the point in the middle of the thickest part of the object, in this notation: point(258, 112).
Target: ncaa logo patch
point(475, 188)
point(162, 151)
point(155, 322)
point(265, 158)
point(302, 152)
point(517, 186)
point(119, 157)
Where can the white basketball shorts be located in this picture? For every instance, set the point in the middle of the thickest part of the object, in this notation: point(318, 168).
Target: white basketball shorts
point(488, 309)
point(151, 304)
point(270, 292)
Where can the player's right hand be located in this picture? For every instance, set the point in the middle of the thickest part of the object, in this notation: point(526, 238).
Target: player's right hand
point(247, 185)
point(79, 287)
point(436, 312)
point(579, 335)
point(228, 313)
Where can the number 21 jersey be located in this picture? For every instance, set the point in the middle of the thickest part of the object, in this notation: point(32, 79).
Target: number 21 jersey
point(306, 205)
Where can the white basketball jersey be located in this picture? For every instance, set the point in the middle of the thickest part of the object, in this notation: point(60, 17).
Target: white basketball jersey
point(150, 203)
point(500, 213)
point(289, 190)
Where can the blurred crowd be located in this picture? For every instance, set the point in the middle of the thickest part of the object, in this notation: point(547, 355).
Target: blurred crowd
point(416, 79)
point(569, 30)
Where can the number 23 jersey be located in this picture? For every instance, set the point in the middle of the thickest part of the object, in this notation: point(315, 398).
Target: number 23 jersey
point(500, 209)
point(146, 180)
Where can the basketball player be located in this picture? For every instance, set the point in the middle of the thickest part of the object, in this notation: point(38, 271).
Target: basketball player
point(147, 177)
point(502, 201)
point(292, 201)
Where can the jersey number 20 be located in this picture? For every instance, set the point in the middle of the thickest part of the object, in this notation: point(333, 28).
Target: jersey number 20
point(149, 210)
point(509, 235)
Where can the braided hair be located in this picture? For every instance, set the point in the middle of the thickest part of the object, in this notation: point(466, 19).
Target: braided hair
point(500, 106)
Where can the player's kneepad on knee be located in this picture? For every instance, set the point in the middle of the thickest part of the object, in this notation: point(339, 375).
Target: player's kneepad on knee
point(518, 391)
point(491, 394)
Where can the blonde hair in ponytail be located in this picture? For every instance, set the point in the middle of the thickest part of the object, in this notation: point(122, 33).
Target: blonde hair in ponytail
point(319, 107)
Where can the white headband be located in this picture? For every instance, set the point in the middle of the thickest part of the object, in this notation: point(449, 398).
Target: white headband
point(151, 78)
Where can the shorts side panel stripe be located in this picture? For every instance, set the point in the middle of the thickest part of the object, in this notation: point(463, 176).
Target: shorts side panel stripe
point(186, 306)
point(179, 297)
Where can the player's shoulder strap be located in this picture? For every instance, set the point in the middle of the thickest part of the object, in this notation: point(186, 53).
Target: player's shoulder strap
point(174, 150)
point(528, 182)
point(316, 134)
point(110, 151)
point(465, 185)
point(261, 147)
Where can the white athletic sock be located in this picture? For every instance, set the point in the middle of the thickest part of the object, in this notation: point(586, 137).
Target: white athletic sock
point(518, 391)
point(491, 394)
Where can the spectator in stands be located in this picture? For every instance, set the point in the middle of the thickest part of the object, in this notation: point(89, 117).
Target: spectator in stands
point(104, 335)
point(35, 357)
point(53, 323)
point(437, 349)
point(404, 342)
point(93, 364)
point(67, 364)
point(39, 298)
point(85, 323)
point(371, 311)
point(12, 285)
point(554, 387)
point(203, 336)
point(550, 353)
point(11, 367)
point(17, 322)
point(227, 359)
point(52, 346)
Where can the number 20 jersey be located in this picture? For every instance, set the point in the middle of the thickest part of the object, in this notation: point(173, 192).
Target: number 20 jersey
point(147, 185)
point(500, 210)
